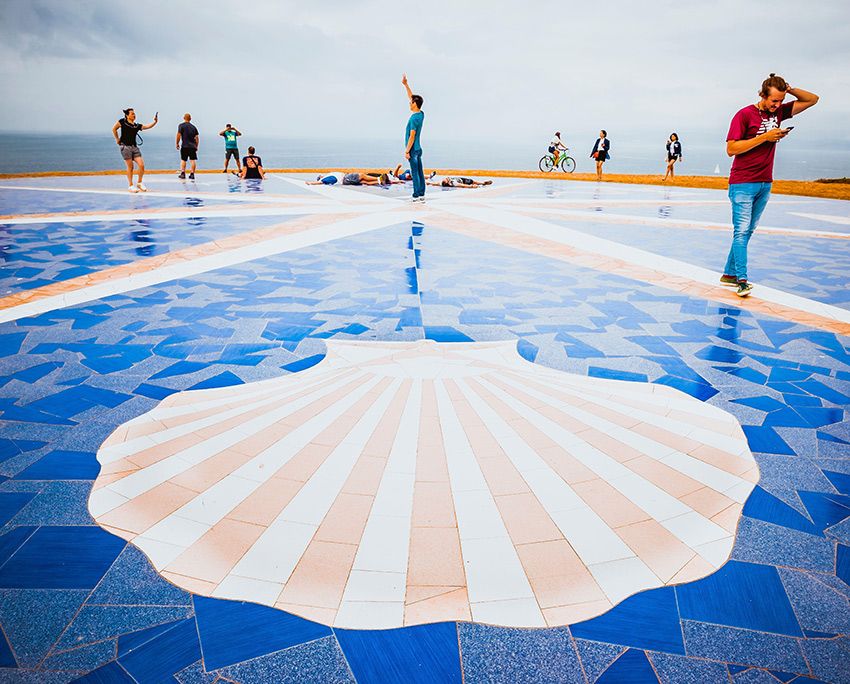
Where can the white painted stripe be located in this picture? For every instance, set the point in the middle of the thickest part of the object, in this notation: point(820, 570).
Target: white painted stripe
point(379, 572)
point(648, 497)
point(223, 259)
point(493, 569)
point(632, 255)
point(310, 505)
point(712, 476)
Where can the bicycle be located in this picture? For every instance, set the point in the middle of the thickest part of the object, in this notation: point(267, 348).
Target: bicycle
point(547, 162)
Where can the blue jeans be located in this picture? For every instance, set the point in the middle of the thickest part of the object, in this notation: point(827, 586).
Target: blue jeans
point(748, 203)
point(418, 173)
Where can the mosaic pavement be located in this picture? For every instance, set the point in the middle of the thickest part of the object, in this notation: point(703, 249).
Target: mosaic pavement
point(308, 434)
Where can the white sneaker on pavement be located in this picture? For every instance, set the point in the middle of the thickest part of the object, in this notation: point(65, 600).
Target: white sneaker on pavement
point(141, 186)
point(132, 188)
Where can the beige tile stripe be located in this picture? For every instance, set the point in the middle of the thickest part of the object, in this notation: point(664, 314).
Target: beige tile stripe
point(181, 255)
point(548, 248)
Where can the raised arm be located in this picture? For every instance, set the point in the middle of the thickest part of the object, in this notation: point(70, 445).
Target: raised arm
point(804, 100)
point(238, 132)
point(151, 124)
point(221, 132)
point(406, 86)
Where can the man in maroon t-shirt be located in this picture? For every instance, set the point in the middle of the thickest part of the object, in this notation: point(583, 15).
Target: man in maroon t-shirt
point(752, 139)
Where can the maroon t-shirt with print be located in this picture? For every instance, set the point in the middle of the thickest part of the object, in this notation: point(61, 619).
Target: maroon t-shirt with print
point(755, 166)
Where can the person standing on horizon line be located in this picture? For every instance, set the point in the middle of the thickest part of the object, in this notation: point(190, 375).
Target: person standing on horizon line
point(751, 140)
point(600, 152)
point(674, 154)
point(187, 142)
point(129, 145)
point(231, 147)
point(413, 148)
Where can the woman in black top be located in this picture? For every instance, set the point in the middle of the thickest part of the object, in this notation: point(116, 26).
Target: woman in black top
point(129, 145)
point(600, 152)
point(252, 165)
point(674, 154)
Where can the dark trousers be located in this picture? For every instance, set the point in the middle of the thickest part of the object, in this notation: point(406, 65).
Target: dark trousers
point(418, 173)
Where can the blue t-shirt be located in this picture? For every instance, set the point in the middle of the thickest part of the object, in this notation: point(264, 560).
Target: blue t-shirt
point(414, 124)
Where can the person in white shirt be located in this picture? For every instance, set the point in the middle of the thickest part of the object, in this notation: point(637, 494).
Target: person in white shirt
point(556, 147)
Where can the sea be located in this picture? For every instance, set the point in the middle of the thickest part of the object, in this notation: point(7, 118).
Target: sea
point(29, 153)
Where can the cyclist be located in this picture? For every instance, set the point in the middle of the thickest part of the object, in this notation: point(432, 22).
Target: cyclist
point(556, 147)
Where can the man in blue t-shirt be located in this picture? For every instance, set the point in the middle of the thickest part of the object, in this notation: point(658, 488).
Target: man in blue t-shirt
point(413, 149)
point(231, 147)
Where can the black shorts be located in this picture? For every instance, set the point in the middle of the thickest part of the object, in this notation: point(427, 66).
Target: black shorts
point(672, 157)
point(187, 153)
point(231, 152)
point(601, 156)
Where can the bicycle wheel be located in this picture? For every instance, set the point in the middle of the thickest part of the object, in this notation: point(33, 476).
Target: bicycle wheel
point(546, 163)
point(568, 165)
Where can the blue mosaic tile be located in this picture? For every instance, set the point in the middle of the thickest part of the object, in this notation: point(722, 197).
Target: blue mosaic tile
point(12, 541)
point(61, 558)
point(826, 509)
point(233, 631)
point(317, 662)
point(160, 658)
point(817, 606)
point(7, 658)
point(133, 640)
point(829, 658)
point(62, 465)
point(680, 670)
point(112, 673)
point(648, 620)
point(31, 639)
point(841, 481)
point(630, 668)
point(763, 506)
point(761, 542)
point(754, 676)
point(764, 439)
point(60, 502)
point(96, 623)
point(131, 580)
point(195, 674)
point(422, 654)
point(842, 562)
point(493, 654)
point(746, 647)
point(740, 595)
point(11, 504)
point(596, 657)
point(83, 659)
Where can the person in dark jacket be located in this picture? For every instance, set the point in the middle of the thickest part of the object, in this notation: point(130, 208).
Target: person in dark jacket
point(600, 152)
point(674, 154)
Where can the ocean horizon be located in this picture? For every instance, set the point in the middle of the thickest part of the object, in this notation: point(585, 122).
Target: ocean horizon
point(45, 152)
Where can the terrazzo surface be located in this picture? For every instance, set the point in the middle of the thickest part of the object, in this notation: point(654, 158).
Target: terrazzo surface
point(80, 603)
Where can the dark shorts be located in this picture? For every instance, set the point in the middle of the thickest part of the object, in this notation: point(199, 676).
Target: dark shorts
point(551, 149)
point(466, 181)
point(601, 156)
point(351, 179)
point(187, 153)
point(231, 152)
point(129, 152)
point(672, 157)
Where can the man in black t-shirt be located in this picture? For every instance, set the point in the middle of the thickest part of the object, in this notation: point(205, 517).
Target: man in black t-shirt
point(187, 142)
point(252, 165)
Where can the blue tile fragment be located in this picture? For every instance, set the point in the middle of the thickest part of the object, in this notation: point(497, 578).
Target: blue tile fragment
point(11, 503)
point(303, 364)
point(445, 333)
point(234, 631)
point(842, 563)
point(111, 673)
point(825, 509)
point(62, 465)
point(317, 662)
point(132, 580)
point(82, 659)
point(497, 654)
point(745, 647)
point(612, 374)
point(96, 623)
point(13, 540)
point(841, 481)
point(743, 595)
point(31, 639)
point(754, 676)
point(133, 640)
point(682, 670)
point(596, 657)
point(415, 655)
point(153, 391)
point(7, 658)
point(765, 440)
point(829, 658)
point(764, 506)
point(61, 558)
point(762, 542)
point(818, 606)
point(630, 668)
point(648, 620)
point(159, 659)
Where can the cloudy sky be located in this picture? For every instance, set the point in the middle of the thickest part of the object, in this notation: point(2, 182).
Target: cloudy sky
point(488, 70)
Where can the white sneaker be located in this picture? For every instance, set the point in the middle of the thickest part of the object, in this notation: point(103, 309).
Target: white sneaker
point(141, 186)
point(132, 188)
